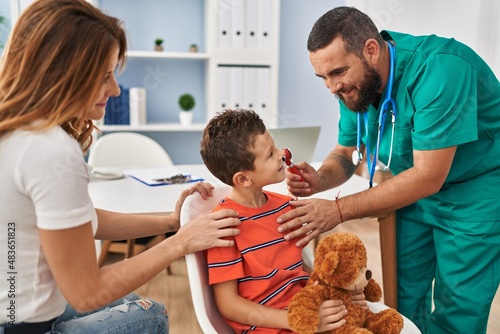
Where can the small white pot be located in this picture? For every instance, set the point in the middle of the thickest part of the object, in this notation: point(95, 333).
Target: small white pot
point(185, 117)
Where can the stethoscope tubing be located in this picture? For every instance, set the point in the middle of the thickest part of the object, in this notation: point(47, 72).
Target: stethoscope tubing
point(388, 100)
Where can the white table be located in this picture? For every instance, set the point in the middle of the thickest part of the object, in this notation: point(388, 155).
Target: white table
point(128, 195)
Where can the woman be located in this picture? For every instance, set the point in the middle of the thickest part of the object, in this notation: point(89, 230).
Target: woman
point(56, 75)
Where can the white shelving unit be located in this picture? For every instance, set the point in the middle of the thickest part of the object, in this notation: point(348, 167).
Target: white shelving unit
point(248, 15)
point(215, 56)
point(167, 55)
point(257, 56)
point(154, 127)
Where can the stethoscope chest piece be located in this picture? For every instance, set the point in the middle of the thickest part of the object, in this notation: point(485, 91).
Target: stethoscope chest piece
point(357, 158)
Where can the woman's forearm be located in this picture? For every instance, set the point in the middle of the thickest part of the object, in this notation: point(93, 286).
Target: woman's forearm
point(119, 226)
point(118, 279)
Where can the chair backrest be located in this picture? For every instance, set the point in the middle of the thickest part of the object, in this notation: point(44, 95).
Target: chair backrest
point(209, 318)
point(127, 149)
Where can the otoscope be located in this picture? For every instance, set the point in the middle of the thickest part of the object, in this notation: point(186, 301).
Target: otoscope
point(287, 158)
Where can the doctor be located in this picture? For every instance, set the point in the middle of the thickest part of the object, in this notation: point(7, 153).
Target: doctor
point(438, 129)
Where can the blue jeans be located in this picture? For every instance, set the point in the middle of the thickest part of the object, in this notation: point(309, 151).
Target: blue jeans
point(130, 315)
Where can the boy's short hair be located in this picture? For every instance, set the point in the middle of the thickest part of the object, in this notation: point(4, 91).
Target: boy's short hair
point(227, 141)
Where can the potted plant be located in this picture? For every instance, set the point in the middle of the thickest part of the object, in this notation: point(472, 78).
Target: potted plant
point(186, 103)
point(159, 44)
point(193, 48)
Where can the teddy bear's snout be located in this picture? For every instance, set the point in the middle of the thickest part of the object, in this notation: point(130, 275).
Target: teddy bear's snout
point(368, 274)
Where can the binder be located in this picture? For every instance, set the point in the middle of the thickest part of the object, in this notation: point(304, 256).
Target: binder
point(264, 32)
point(224, 23)
point(264, 94)
point(252, 23)
point(238, 31)
point(223, 87)
point(249, 100)
point(107, 115)
point(236, 86)
point(117, 109)
point(138, 106)
point(124, 107)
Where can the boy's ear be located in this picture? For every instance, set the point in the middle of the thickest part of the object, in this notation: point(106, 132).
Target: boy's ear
point(241, 179)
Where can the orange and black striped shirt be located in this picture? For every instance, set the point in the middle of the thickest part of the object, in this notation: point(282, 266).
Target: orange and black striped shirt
point(268, 268)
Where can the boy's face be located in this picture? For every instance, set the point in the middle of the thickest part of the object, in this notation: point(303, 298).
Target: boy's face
point(269, 166)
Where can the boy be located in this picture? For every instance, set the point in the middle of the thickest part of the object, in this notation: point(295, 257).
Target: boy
point(255, 280)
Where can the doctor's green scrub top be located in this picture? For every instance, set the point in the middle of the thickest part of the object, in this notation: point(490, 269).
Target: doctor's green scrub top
point(445, 95)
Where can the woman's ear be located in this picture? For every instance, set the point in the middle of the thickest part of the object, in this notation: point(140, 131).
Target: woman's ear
point(372, 51)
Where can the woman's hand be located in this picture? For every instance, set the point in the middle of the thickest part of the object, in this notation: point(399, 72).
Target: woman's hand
point(205, 190)
point(212, 229)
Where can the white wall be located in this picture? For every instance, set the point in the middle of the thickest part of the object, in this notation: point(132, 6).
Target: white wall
point(4, 29)
point(303, 98)
point(473, 22)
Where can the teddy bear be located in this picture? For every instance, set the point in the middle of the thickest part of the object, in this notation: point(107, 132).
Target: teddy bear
point(340, 267)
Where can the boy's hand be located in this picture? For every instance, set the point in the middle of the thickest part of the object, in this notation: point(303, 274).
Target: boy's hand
point(205, 190)
point(358, 298)
point(331, 315)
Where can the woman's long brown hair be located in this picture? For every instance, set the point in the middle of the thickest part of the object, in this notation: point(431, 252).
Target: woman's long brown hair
point(54, 64)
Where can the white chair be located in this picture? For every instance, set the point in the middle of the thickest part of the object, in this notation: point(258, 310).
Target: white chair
point(209, 318)
point(206, 311)
point(126, 149)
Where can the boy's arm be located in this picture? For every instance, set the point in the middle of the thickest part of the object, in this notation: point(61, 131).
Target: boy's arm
point(236, 308)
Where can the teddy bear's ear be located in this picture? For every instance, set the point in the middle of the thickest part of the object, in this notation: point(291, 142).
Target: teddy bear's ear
point(330, 262)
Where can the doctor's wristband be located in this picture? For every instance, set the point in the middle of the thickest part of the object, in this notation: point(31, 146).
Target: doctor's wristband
point(338, 207)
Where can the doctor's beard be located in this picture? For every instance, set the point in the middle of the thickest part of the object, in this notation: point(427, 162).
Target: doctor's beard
point(367, 93)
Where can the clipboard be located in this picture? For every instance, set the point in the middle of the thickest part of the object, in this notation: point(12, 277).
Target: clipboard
point(162, 176)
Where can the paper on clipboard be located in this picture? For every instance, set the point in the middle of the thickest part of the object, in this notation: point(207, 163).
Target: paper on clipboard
point(161, 176)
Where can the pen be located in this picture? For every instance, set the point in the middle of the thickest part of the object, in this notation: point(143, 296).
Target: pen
point(179, 178)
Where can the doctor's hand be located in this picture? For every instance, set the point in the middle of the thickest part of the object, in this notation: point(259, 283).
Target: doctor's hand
point(308, 219)
point(311, 182)
point(205, 190)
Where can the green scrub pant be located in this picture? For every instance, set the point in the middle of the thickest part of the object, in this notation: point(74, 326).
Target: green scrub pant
point(463, 259)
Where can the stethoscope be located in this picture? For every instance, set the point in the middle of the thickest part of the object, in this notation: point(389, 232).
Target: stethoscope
point(357, 156)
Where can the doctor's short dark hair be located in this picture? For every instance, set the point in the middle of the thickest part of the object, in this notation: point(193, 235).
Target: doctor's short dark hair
point(354, 26)
point(227, 141)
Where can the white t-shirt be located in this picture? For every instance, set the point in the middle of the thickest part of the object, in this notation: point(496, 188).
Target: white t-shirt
point(43, 184)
